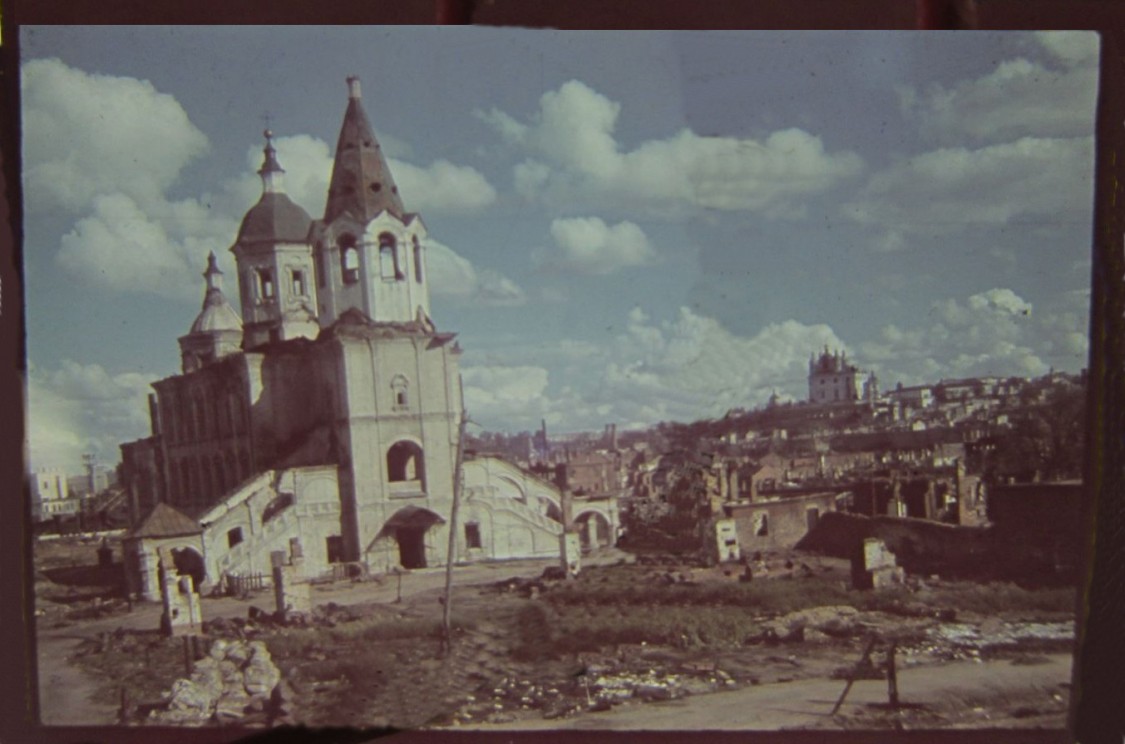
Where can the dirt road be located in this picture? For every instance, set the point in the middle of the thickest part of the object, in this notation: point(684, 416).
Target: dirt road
point(807, 703)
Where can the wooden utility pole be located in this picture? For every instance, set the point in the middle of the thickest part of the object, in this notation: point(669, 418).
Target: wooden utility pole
point(447, 601)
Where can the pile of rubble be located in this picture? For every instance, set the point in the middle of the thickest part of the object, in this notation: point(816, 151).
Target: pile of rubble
point(324, 616)
point(596, 688)
point(998, 635)
point(236, 682)
point(814, 624)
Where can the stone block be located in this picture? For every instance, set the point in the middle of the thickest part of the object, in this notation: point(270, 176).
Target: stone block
point(726, 541)
point(570, 552)
point(876, 555)
point(182, 608)
point(291, 593)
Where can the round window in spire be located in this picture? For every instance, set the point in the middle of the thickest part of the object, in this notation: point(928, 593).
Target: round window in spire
point(376, 187)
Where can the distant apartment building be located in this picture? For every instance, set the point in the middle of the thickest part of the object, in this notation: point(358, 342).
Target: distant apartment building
point(912, 398)
point(594, 472)
point(50, 494)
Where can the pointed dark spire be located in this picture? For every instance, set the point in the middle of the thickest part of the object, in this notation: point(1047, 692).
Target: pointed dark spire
point(362, 185)
point(271, 170)
point(212, 274)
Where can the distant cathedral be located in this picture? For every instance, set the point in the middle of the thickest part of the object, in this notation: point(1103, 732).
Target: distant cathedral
point(833, 379)
point(327, 414)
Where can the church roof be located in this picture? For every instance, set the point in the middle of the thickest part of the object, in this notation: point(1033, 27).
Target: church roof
point(361, 185)
point(275, 219)
point(216, 315)
point(165, 521)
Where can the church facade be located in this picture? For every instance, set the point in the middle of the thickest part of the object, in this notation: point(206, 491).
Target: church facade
point(833, 379)
point(329, 410)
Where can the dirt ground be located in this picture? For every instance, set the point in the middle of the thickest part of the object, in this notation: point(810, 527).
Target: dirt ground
point(626, 646)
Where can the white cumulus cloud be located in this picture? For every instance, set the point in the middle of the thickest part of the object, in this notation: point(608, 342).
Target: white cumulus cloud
point(587, 245)
point(574, 157)
point(1019, 97)
point(88, 135)
point(108, 150)
point(995, 332)
point(78, 408)
point(453, 276)
point(947, 190)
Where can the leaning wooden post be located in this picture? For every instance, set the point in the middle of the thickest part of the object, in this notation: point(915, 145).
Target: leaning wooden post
point(188, 661)
point(447, 603)
point(892, 677)
point(851, 675)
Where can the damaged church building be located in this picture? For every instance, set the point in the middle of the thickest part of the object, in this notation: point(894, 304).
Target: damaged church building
point(328, 410)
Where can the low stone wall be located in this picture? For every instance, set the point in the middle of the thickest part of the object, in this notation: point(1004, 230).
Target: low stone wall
point(920, 546)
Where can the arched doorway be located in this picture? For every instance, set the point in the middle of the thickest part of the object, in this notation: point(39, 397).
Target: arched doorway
point(409, 527)
point(594, 530)
point(188, 562)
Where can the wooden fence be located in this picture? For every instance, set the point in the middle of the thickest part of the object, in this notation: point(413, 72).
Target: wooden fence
point(240, 586)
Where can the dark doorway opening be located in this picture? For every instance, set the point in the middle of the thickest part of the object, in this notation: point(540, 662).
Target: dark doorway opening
point(411, 546)
point(188, 562)
point(812, 517)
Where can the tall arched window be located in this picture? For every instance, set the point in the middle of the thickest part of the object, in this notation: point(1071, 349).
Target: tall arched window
point(405, 463)
point(197, 431)
point(321, 275)
point(231, 469)
point(417, 261)
point(266, 289)
point(183, 415)
point(388, 258)
point(349, 258)
point(221, 482)
point(180, 474)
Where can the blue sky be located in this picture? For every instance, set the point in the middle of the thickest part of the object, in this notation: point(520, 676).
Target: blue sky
point(626, 227)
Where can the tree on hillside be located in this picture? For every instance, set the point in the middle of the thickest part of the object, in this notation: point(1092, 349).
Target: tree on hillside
point(1046, 441)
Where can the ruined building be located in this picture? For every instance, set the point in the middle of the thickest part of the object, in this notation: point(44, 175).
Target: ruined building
point(329, 411)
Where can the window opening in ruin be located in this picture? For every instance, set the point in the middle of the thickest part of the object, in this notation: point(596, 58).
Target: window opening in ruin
point(763, 524)
point(417, 261)
point(299, 283)
point(472, 535)
point(404, 462)
point(334, 546)
point(349, 259)
point(234, 537)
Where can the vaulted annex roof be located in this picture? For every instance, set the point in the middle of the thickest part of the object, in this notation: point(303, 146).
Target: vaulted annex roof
point(166, 521)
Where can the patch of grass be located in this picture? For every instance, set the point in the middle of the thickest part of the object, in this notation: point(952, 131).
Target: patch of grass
point(146, 669)
point(588, 628)
point(535, 630)
point(996, 598)
point(1000, 597)
point(764, 596)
